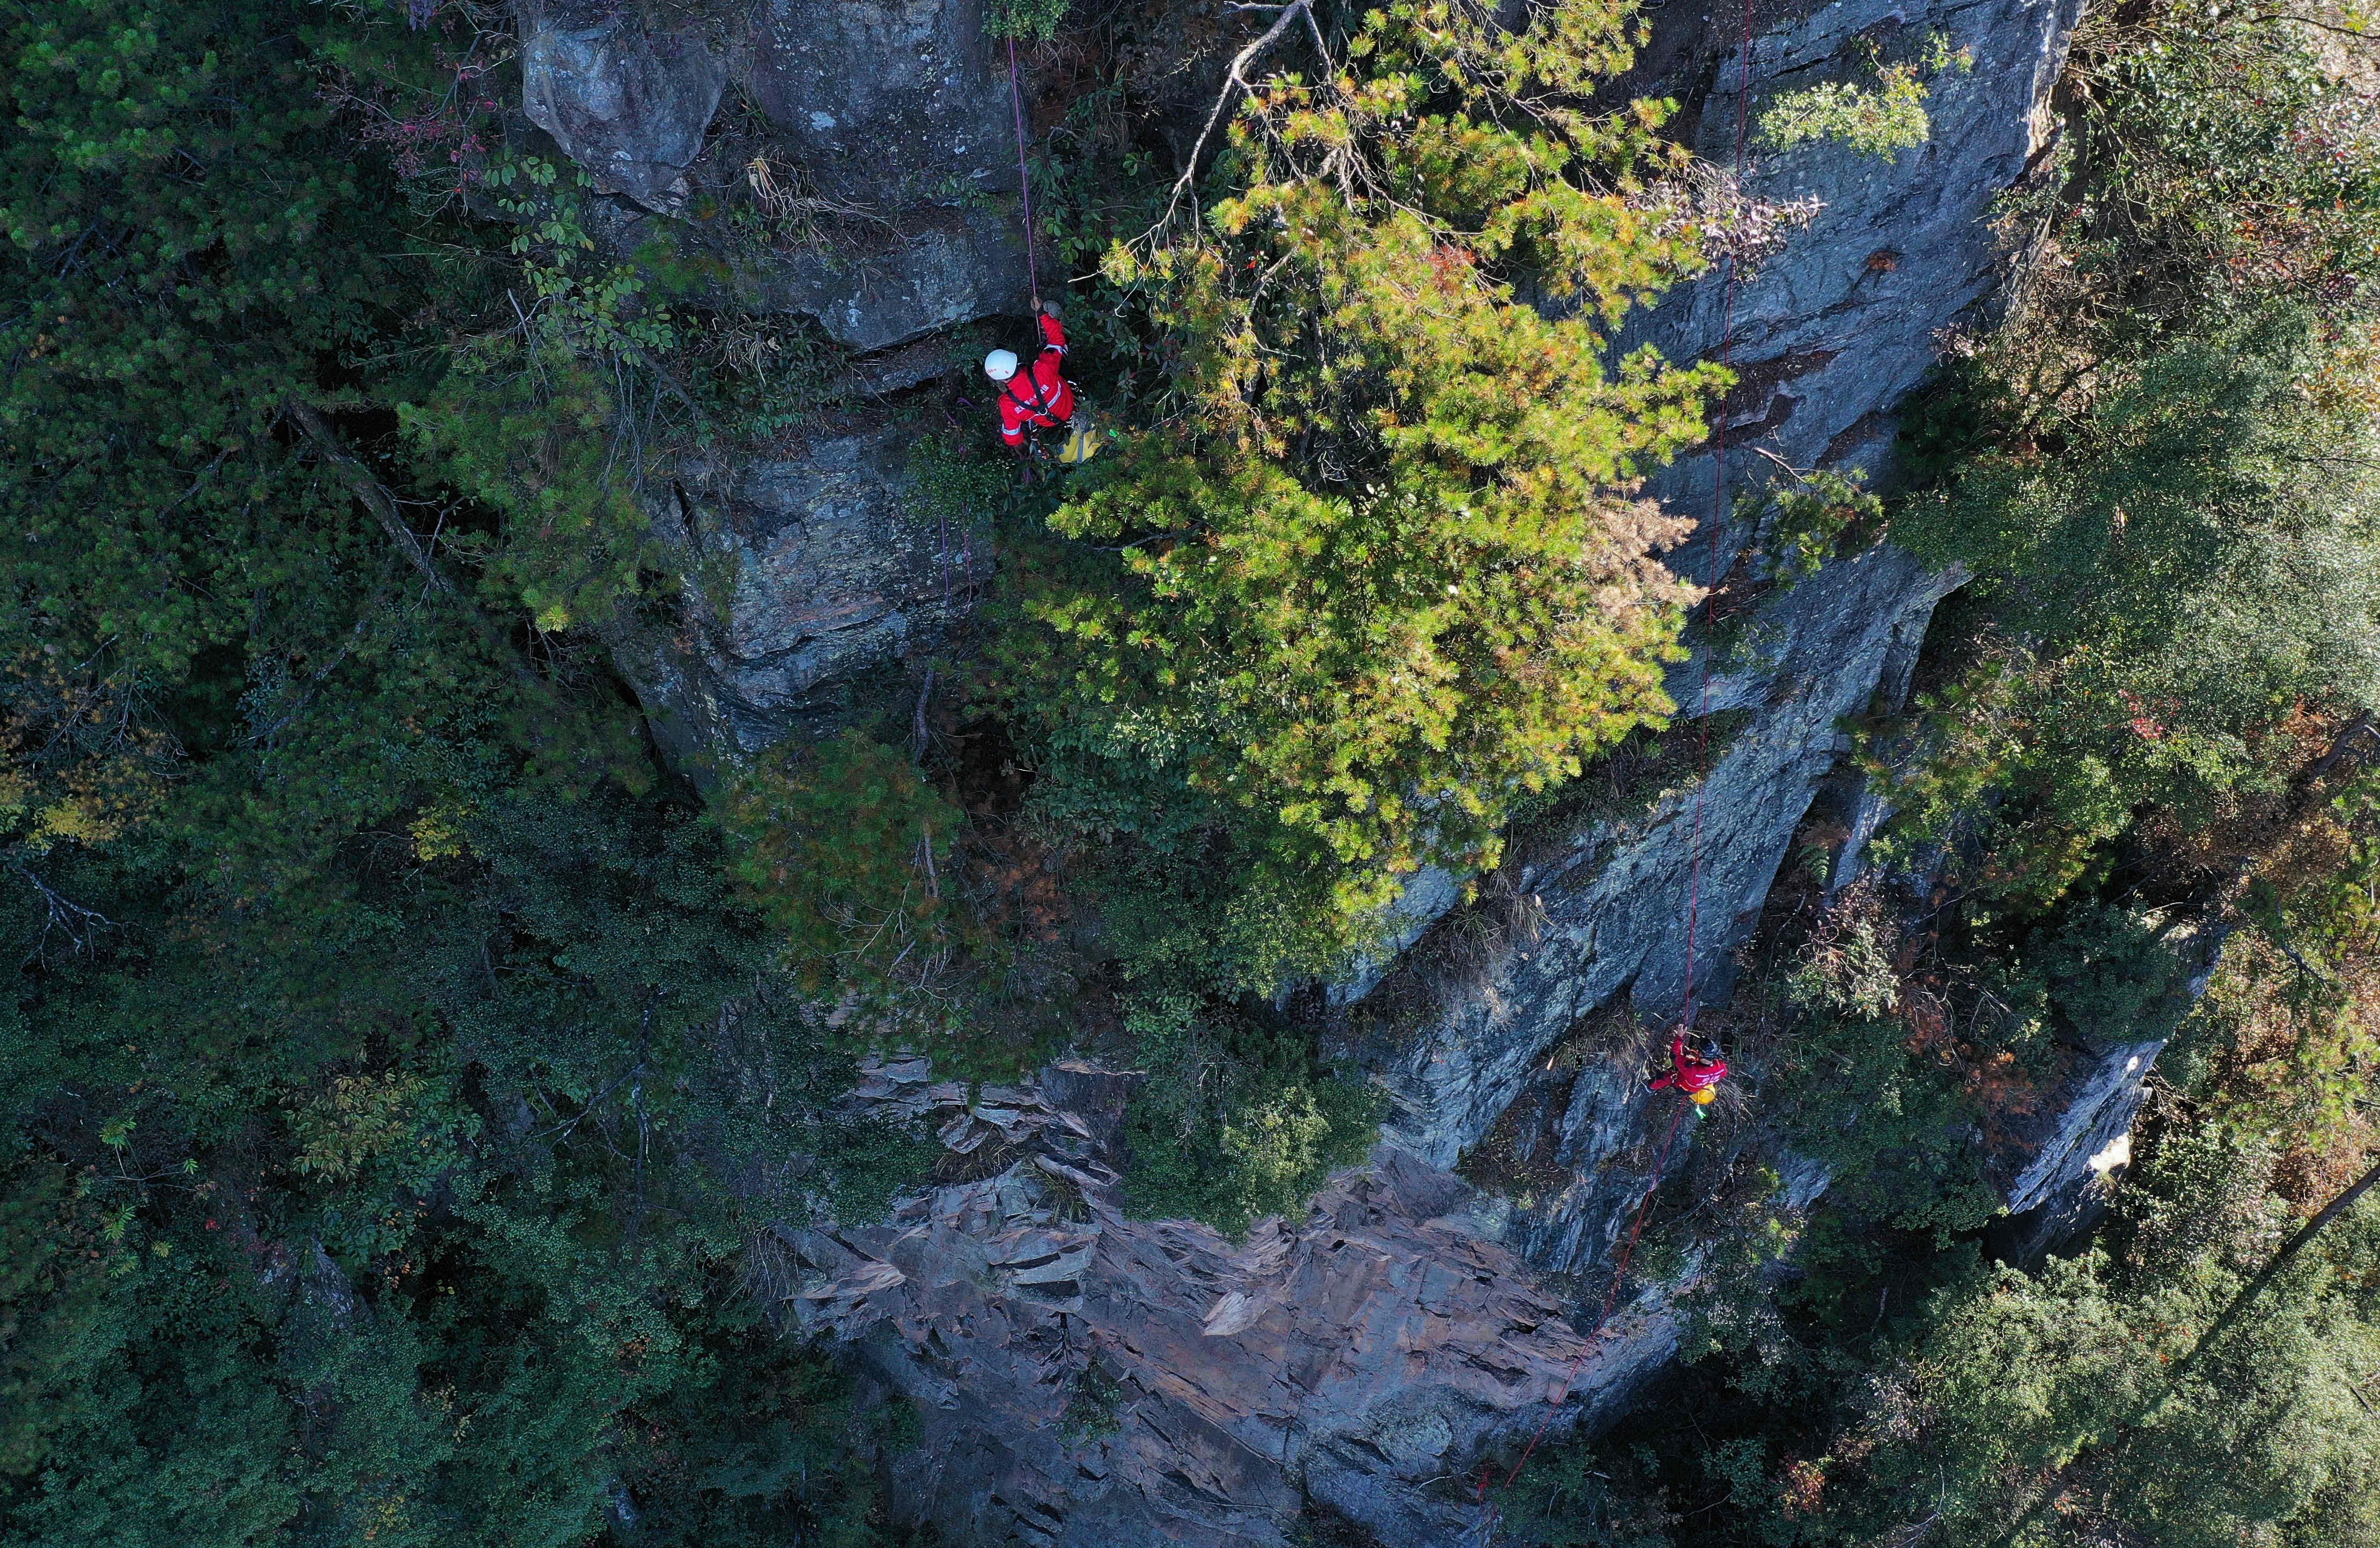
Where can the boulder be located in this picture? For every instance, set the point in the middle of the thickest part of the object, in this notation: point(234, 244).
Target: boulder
point(933, 270)
point(890, 120)
point(627, 101)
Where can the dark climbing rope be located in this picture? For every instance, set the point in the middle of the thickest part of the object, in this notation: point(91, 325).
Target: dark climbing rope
point(1023, 178)
point(1694, 869)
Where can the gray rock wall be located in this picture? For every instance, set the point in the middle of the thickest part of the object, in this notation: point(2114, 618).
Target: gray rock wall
point(1614, 900)
point(628, 101)
point(810, 574)
point(1830, 336)
point(889, 121)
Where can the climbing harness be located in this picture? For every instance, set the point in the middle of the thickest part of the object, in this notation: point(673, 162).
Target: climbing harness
point(1039, 404)
point(1704, 1094)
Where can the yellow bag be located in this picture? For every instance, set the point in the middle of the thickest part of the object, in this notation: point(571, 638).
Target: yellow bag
point(1082, 442)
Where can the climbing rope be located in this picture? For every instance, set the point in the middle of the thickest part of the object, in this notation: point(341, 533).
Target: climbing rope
point(1717, 521)
point(1023, 178)
point(1611, 1304)
point(1694, 867)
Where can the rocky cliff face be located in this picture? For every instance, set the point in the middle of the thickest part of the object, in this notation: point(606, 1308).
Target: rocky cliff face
point(1090, 1378)
point(1828, 337)
point(887, 120)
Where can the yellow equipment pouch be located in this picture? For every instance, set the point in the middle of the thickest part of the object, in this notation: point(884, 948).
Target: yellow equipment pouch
point(1082, 442)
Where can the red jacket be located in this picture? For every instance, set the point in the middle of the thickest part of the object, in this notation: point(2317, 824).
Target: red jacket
point(1037, 397)
point(1688, 1073)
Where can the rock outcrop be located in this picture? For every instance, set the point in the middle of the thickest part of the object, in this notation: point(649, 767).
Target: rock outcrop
point(887, 124)
point(810, 575)
point(1828, 337)
point(1089, 1379)
point(627, 101)
point(1613, 901)
point(2086, 1145)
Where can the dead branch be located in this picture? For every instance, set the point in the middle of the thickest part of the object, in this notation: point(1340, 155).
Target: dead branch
point(382, 505)
point(1234, 83)
point(368, 490)
point(78, 923)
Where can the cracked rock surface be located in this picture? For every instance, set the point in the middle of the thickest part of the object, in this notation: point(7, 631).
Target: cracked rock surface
point(889, 120)
point(1090, 1380)
point(810, 574)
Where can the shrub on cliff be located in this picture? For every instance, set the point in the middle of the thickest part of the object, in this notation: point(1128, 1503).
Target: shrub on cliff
point(1236, 1121)
point(1370, 570)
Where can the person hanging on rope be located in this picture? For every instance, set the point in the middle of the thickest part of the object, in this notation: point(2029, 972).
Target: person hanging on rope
point(1693, 1075)
point(1037, 397)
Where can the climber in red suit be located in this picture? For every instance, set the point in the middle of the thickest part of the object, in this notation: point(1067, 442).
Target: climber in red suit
point(1037, 397)
point(1691, 1075)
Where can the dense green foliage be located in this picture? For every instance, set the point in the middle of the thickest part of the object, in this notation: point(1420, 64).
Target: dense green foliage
point(383, 1011)
point(2165, 468)
point(1368, 573)
point(402, 1057)
point(1237, 1123)
point(843, 847)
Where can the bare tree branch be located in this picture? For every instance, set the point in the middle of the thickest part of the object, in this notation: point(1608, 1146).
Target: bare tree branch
point(66, 916)
point(368, 492)
point(1233, 84)
point(374, 498)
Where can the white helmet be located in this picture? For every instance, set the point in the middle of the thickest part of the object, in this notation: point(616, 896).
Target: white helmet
point(999, 364)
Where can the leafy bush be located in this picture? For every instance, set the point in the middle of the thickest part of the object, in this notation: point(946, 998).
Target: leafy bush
point(2196, 562)
point(1879, 120)
point(527, 433)
point(2162, 471)
point(844, 847)
point(1024, 20)
point(2060, 1382)
point(1866, 1092)
point(2112, 976)
point(1234, 1123)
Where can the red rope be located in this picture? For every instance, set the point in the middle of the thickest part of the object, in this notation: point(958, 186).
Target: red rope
point(1694, 872)
point(1717, 521)
point(1023, 178)
point(1610, 1300)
